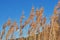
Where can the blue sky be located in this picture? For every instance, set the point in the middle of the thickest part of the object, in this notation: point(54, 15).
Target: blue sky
point(13, 9)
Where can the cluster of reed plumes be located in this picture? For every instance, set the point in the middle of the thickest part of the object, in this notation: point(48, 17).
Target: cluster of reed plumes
point(48, 31)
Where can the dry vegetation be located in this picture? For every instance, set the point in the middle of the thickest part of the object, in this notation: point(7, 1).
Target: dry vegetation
point(49, 31)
